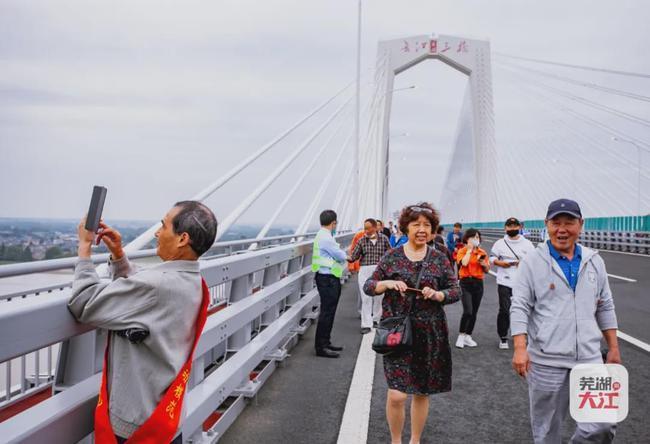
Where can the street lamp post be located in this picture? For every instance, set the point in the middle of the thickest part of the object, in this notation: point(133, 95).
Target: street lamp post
point(357, 129)
point(396, 89)
point(638, 165)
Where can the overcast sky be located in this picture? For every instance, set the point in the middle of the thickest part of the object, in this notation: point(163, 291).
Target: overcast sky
point(157, 99)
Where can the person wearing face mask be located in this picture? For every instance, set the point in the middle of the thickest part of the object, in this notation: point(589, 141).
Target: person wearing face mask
point(328, 260)
point(562, 307)
point(505, 255)
point(369, 250)
point(473, 264)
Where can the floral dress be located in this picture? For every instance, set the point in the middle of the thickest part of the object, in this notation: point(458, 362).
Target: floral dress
point(426, 368)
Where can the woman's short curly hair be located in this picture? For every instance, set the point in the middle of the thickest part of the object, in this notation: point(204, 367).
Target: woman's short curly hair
point(412, 212)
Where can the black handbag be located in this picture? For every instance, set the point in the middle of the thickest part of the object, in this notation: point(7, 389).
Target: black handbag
point(394, 334)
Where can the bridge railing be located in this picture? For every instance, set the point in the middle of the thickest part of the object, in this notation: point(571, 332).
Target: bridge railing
point(262, 301)
point(218, 249)
point(625, 241)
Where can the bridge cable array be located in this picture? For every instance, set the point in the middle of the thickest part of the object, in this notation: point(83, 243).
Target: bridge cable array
point(566, 143)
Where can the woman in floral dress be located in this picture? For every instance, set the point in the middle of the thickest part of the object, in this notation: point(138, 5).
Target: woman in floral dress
point(426, 368)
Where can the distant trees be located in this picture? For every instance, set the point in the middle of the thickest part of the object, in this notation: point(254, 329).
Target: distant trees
point(54, 252)
point(15, 253)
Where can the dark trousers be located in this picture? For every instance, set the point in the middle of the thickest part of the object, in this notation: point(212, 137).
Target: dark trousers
point(471, 299)
point(177, 440)
point(503, 318)
point(329, 289)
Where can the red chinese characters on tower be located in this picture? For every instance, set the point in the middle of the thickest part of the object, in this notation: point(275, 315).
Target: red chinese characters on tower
point(433, 46)
point(406, 47)
point(462, 47)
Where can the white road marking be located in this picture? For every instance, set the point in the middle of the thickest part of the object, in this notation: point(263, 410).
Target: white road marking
point(356, 417)
point(634, 341)
point(621, 278)
point(624, 252)
point(615, 276)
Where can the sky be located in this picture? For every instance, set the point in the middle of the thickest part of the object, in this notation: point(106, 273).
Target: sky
point(157, 99)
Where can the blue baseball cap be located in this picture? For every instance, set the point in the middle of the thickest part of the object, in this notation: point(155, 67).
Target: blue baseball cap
point(563, 206)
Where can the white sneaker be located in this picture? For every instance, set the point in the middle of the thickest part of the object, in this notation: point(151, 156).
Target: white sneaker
point(469, 341)
point(503, 345)
point(460, 342)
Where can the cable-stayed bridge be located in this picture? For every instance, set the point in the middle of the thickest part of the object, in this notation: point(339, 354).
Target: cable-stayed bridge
point(581, 132)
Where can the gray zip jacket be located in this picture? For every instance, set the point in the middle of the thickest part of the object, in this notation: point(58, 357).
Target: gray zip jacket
point(564, 328)
point(164, 300)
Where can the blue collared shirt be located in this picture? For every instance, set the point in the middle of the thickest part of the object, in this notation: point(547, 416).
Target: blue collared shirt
point(330, 249)
point(570, 268)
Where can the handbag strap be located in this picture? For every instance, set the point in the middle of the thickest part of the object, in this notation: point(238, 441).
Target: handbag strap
point(425, 263)
point(513, 251)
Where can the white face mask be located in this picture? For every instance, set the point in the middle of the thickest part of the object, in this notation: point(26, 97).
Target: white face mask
point(475, 242)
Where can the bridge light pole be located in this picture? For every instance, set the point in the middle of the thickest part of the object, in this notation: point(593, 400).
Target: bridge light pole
point(398, 89)
point(638, 165)
point(356, 182)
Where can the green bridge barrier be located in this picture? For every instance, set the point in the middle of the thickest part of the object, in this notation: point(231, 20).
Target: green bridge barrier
point(616, 223)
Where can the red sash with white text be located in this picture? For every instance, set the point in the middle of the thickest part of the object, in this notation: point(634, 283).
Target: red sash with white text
point(163, 422)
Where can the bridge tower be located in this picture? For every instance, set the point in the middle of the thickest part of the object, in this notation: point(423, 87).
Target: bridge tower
point(475, 142)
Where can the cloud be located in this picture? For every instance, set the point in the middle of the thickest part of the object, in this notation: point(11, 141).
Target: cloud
point(156, 99)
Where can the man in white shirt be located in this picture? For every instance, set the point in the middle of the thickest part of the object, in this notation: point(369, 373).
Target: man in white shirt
point(505, 257)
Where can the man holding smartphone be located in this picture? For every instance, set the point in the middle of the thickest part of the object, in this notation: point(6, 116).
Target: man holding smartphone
point(152, 317)
point(505, 256)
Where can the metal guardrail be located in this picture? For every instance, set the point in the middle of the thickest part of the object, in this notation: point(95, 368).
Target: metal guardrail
point(218, 249)
point(268, 299)
point(69, 262)
point(23, 376)
point(625, 241)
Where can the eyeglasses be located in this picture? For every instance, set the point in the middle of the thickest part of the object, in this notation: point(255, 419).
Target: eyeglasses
point(420, 209)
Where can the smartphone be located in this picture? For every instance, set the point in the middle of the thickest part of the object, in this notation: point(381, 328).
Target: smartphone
point(96, 208)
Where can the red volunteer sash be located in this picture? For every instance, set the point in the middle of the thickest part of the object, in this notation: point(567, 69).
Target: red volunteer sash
point(163, 422)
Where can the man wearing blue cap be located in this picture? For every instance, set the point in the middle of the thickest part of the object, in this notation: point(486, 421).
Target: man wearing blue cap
point(562, 304)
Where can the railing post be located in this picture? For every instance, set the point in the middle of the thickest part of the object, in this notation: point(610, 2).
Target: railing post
point(271, 275)
point(240, 289)
point(295, 265)
point(79, 358)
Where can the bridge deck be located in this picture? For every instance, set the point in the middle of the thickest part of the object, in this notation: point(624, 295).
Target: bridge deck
point(305, 401)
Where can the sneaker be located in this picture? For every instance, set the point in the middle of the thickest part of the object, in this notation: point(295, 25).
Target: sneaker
point(460, 342)
point(469, 341)
point(503, 345)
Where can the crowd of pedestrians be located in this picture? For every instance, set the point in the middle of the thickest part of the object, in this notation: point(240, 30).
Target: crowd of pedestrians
point(554, 303)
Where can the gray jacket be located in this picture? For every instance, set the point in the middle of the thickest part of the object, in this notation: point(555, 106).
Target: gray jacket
point(563, 327)
point(164, 300)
